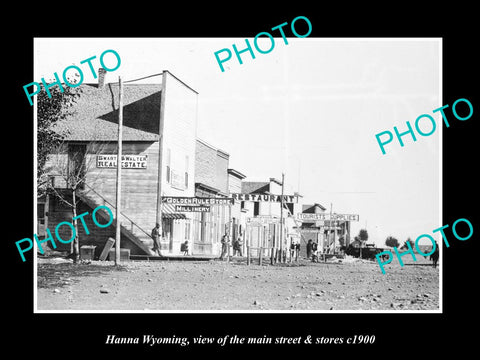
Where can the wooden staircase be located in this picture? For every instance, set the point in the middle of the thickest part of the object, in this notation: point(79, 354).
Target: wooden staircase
point(128, 227)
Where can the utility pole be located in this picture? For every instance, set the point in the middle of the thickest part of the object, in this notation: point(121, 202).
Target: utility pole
point(160, 151)
point(229, 231)
point(281, 220)
point(119, 173)
point(332, 226)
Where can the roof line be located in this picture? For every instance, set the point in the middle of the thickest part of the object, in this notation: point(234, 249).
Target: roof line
point(211, 146)
point(236, 173)
point(145, 77)
point(195, 91)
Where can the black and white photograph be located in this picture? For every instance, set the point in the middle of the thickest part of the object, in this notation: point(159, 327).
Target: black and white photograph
point(293, 182)
point(233, 196)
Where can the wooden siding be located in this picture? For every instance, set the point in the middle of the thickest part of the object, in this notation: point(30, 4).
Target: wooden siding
point(97, 236)
point(179, 135)
point(139, 189)
point(139, 186)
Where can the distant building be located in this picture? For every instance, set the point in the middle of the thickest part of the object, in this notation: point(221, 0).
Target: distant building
point(238, 212)
point(312, 230)
point(211, 180)
point(261, 202)
point(329, 235)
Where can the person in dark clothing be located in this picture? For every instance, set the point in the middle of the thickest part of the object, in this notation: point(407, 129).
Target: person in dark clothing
point(184, 247)
point(237, 247)
point(297, 250)
point(436, 254)
point(225, 246)
point(156, 238)
point(309, 249)
point(314, 252)
point(292, 249)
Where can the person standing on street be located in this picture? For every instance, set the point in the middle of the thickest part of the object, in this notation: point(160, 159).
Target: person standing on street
point(292, 249)
point(309, 249)
point(184, 248)
point(314, 252)
point(156, 239)
point(225, 245)
point(297, 250)
point(237, 246)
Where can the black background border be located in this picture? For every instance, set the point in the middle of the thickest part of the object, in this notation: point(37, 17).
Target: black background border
point(58, 334)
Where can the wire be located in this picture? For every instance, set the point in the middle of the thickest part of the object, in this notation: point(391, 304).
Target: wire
point(145, 77)
point(129, 81)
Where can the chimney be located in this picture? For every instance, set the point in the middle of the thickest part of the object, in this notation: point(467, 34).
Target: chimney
point(101, 77)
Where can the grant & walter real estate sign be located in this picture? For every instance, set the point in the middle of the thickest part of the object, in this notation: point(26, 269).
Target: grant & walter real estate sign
point(128, 161)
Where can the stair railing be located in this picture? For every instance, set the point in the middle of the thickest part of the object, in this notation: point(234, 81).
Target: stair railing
point(105, 201)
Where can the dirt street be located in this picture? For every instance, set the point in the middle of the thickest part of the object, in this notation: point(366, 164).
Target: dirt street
point(218, 285)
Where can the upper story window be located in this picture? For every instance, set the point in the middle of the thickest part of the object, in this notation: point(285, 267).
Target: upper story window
point(256, 208)
point(186, 172)
point(168, 166)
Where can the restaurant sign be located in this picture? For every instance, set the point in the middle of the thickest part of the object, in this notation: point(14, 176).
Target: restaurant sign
point(266, 198)
point(128, 161)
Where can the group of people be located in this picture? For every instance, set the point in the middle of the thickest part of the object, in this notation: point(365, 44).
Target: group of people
point(312, 250)
point(294, 250)
point(237, 246)
point(156, 242)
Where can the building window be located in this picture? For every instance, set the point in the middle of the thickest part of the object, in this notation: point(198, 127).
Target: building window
point(187, 230)
point(166, 228)
point(256, 208)
point(186, 172)
point(41, 213)
point(168, 166)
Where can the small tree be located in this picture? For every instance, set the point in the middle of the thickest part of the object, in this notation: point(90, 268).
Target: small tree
point(51, 110)
point(72, 165)
point(363, 235)
point(392, 242)
point(410, 241)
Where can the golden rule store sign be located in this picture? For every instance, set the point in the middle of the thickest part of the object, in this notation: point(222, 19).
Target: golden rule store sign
point(128, 161)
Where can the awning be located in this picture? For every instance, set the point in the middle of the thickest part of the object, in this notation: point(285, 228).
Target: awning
point(168, 212)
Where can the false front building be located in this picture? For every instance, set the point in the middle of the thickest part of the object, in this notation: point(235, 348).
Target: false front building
point(158, 160)
point(268, 225)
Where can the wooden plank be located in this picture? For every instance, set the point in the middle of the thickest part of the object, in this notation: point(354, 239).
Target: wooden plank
point(106, 249)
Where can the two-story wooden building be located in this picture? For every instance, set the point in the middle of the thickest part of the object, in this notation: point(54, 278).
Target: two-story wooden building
point(214, 178)
point(159, 139)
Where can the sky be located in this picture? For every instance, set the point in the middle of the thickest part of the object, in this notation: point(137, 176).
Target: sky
point(309, 109)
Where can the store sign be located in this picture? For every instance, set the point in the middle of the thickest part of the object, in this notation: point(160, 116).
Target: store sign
point(191, 208)
point(180, 200)
point(325, 216)
point(265, 198)
point(128, 161)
